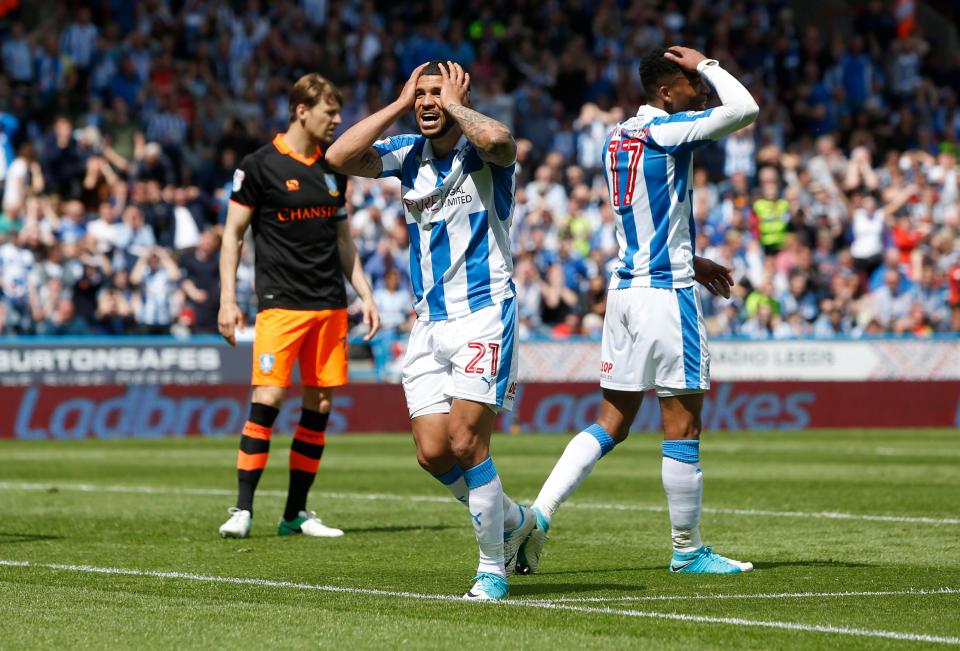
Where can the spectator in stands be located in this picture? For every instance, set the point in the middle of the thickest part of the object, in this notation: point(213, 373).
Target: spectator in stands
point(395, 304)
point(24, 179)
point(855, 153)
point(156, 274)
point(116, 307)
point(63, 167)
point(200, 273)
point(890, 305)
point(62, 320)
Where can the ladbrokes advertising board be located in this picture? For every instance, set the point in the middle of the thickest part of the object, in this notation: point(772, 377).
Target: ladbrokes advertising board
point(139, 388)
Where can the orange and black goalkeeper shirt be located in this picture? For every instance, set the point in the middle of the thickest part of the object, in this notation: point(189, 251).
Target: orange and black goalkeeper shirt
point(296, 204)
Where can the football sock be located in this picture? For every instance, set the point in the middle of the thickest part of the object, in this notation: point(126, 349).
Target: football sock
point(455, 483)
point(305, 452)
point(254, 450)
point(683, 483)
point(512, 516)
point(576, 462)
point(485, 503)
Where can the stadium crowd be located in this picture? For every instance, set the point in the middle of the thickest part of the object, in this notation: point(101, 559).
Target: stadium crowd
point(122, 124)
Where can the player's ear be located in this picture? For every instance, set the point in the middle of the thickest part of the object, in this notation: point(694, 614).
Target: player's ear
point(663, 90)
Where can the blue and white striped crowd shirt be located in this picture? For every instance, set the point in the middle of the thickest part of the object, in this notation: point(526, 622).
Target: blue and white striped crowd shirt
point(648, 168)
point(458, 211)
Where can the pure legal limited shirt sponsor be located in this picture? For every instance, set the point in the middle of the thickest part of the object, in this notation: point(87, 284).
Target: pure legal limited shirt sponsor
point(458, 212)
point(297, 203)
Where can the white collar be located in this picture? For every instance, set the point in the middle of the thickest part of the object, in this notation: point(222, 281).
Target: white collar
point(428, 148)
point(647, 110)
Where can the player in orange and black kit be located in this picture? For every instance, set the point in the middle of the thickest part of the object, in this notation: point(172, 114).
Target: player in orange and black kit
point(297, 207)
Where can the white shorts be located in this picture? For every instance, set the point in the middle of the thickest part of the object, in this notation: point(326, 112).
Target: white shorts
point(473, 357)
point(654, 339)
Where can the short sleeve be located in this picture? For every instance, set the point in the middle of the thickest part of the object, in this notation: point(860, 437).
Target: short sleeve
point(246, 188)
point(393, 151)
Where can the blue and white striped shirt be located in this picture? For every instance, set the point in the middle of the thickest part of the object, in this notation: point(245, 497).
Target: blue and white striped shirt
point(458, 211)
point(79, 42)
point(648, 165)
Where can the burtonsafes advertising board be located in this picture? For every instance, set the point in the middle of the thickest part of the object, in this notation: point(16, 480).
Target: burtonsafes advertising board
point(144, 388)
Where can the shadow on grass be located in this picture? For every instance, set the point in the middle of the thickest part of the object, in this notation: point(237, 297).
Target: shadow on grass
point(521, 590)
point(600, 570)
point(761, 565)
point(11, 538)
point(398, 529)
point(770, 565)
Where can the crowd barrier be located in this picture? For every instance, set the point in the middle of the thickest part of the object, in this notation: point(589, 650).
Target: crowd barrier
point(116, 388)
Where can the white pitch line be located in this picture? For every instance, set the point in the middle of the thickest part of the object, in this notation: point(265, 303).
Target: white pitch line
point(159, 490)
point(683, 617)
point(911, 452)
point(777, 595)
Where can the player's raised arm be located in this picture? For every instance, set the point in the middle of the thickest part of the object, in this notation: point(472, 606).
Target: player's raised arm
point(353, 152)
point(738, 107)
point(230, 316)
point(493, 139)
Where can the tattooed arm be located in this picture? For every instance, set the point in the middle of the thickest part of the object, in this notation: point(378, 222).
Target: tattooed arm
point(492, 139)
point(353, 152)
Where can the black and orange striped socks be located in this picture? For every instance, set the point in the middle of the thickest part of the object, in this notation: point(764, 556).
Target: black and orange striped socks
point(254, 450)
point(305, 453)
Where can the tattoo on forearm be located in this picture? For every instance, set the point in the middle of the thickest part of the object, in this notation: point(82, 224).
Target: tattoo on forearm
point(474, 124)
point(370, 164)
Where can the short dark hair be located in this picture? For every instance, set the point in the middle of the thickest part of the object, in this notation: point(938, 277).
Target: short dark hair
point(655, 69)
point(433, 68)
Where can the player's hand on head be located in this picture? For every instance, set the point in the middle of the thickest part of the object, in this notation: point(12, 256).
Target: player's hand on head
point(685, 57)
point(455, 85)
point(408, 95)
point(371, 318)
point(228, 320)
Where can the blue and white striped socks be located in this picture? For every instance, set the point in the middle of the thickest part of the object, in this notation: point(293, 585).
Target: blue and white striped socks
point(575, 464)
point(683, 484)
point(485, 504)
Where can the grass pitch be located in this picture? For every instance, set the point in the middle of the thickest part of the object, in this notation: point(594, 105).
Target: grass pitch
point(113, 544)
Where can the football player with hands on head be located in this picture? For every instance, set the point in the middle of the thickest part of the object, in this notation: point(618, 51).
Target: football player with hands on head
point(460, 368)
point(654, 336)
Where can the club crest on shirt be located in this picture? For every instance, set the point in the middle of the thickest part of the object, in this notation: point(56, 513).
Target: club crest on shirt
point(331, 182)
point(293, 185)
point(238, 177)
point(267, 361)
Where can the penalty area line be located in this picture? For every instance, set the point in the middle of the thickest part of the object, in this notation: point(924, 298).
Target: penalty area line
point(519, 603)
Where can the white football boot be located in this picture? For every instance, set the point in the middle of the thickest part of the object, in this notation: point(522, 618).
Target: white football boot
point(308, 524)
point(515, 537)
point(238, 526)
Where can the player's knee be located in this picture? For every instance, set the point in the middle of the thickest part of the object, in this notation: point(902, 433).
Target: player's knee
point(686, 428)
point(464, 439)
point(317, 400)
point(267, 395)
point(434, 461)
point(618, 429)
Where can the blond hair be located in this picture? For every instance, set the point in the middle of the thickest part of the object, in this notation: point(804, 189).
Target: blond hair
point(309, 90)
